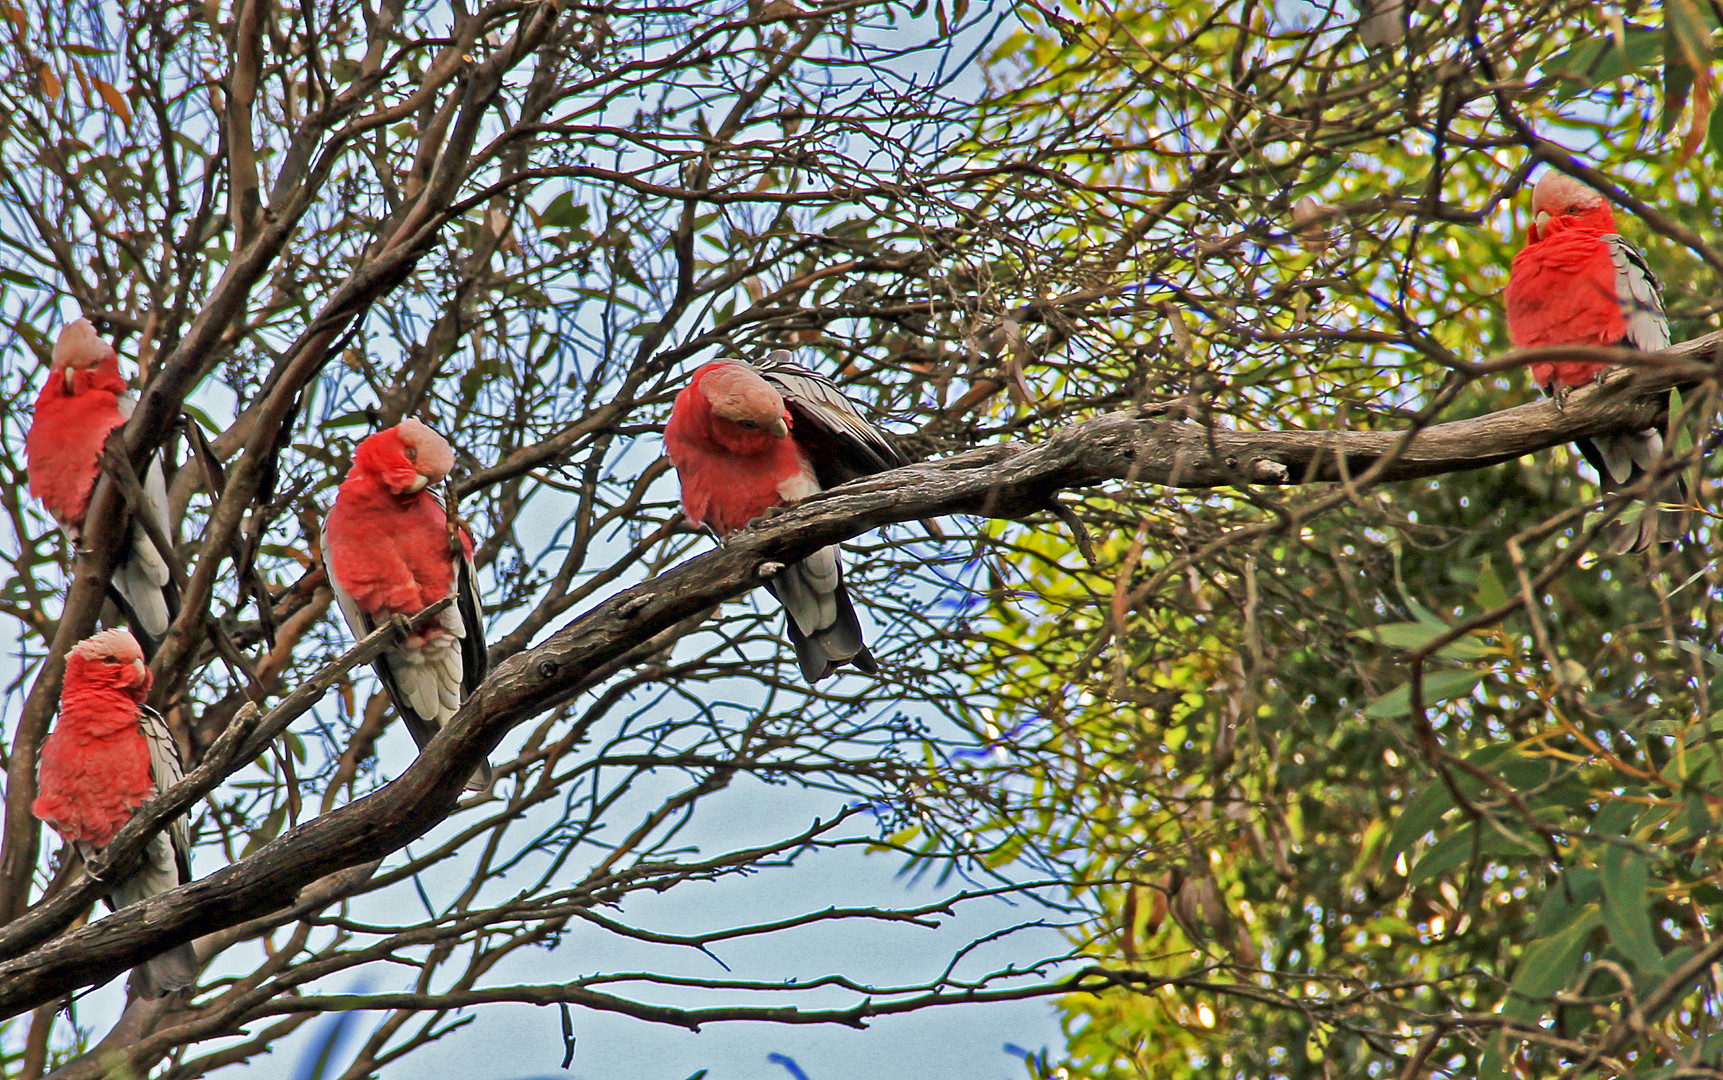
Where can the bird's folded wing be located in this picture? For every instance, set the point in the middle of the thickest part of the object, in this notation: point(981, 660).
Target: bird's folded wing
point(1638, 291)
point(475, 662)
point(142, 577)
point(467, 620)
point(167, 768)
point(827, 420)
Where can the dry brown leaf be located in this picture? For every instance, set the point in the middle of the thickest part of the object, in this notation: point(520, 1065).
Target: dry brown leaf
point(1701, 119)
point(115, 100)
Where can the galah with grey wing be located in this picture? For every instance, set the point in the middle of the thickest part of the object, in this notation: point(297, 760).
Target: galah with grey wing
point(747, 438)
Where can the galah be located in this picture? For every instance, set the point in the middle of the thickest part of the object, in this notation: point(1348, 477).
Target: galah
point(84, 399)
point(109, 752)
point(1577, 282)
point(389, 550)
point(745, 439)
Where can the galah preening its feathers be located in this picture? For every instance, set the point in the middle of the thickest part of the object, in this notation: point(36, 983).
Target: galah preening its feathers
point(1577, 282)
point(387, 548)
point(745, 439)
point(108, 752)
point(83, 401)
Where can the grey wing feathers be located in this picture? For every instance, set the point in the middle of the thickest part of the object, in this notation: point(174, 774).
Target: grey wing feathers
point(475, 659)
point(166, 770)
point(468, 614)
point(1622, 459)
point(814, 399)
point(166, 865)
point(1639, 293)
point(142, 578)
point(841, 446)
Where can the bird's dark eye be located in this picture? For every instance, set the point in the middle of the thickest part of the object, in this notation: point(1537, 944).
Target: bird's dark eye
point(110, 659)
point(412, 454)
point(748, 423)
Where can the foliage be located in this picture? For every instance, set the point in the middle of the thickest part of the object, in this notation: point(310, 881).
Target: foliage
point(1374, 796)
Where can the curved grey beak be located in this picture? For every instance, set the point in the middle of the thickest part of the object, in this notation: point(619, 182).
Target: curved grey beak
point(779, 429)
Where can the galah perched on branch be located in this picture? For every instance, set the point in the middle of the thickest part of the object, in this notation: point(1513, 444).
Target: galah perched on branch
point(83, 401)
point(745, 439)
point(108, 752)
point(1577, 282)
point(389, 549)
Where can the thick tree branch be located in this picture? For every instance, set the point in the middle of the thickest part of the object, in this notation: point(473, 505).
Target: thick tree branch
point(1001, 481)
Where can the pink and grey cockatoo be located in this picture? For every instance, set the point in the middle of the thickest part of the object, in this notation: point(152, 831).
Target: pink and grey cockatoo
point(386, 545)
point(747, 438)
point(1577, 282)
point(109, 752)
point(84, 399)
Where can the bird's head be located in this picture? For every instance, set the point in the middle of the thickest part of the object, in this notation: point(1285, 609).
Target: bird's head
point(110, 659)
point(747, 415)
point(81, 358)
point(1561, 202)
point(405, 459)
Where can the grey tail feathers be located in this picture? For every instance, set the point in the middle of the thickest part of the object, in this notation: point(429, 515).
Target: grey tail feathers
point(482, 778)
point(148, 609)
point(173, 970)
point(815, 653)
point(162, 869)
point(144, 595)
point(422, 729)
point(819, 618)
point(1623, 459)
